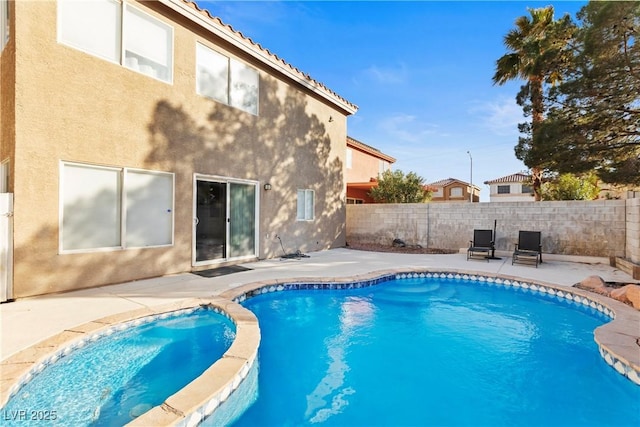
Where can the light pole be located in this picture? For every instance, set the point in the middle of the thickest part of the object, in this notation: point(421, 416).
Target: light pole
point(471, 176)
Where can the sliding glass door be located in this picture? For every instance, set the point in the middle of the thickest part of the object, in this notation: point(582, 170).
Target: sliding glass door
point(242, 216)
point(225, 219)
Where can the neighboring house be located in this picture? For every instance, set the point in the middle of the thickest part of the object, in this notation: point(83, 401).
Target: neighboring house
point(511, 188)
point(453, 190)
point(364, 164)
point(144, 138)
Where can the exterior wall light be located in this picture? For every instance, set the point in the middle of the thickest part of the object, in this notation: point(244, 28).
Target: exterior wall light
point(267, 186)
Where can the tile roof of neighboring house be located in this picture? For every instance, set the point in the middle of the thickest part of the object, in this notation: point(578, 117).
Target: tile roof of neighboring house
point(445, 182)
point(214, 24)
point(369, 149)
point(449, 181)
point(516, 177)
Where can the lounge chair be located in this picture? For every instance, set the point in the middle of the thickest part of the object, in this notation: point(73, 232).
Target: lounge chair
point(482, 244)
point(528, 249)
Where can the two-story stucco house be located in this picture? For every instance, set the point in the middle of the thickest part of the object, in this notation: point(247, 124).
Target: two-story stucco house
point(453, 190)
point(511, 188)
point(364, 164)
point(142, 138)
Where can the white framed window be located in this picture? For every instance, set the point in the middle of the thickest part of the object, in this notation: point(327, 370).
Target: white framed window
point(121, 34)
point(149, 208)
point(4, 176)
point(527, 189)
point(455, 192)
point(114, 208)
point(212, 74)
point(4, 23)
point(148, 44)
point(306, 205)
point(226, 80)
point(243, 87)
point(352, 201)
point(383, 166)
point(93, 27)
point(349, 159)
point(504, 189)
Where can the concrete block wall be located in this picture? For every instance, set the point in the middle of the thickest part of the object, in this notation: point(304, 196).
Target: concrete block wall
point(632, 249)
point(590, 228)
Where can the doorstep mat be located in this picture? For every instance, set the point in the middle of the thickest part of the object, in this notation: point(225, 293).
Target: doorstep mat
point(221, 271)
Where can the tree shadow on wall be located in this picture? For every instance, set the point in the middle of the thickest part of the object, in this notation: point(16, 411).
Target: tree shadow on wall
point(284, 145)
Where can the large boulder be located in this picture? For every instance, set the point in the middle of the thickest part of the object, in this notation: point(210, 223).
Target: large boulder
point(628, 294)
point(594, 284)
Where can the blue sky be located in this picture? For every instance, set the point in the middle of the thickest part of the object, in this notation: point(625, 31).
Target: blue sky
point(419, 71)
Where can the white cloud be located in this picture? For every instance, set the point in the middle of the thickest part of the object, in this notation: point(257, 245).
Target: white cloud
point(499, 116)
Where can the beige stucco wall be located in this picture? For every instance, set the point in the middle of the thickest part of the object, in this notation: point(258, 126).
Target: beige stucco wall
point(76, 107)
point(590, 228)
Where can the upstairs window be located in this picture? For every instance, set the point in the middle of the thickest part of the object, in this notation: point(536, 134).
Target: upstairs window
point(527, 189)
point(349, 158)
point(139, 41)
point(148, 45)
point(455, 192)
point(504, 189)
point(306, 204)
point(226, 80)
point(4, 23)
point(91, 26)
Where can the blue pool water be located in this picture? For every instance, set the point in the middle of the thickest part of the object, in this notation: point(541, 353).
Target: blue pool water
point(118, 377)
point(433, 352)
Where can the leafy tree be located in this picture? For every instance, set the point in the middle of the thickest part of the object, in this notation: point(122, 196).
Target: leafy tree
point(571, 187)
point(536, 47)
point(594, 115)
point(396, 187)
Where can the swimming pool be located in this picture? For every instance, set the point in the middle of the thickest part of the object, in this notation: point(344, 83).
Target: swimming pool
point(434, 351)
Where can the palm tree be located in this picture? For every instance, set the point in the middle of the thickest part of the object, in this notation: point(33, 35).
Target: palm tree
point(535, 47)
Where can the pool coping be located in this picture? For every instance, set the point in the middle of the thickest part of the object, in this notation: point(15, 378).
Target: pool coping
point(617, 340)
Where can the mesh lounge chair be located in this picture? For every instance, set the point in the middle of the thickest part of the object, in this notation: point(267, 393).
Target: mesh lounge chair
point(528, 249)
point(482, 244)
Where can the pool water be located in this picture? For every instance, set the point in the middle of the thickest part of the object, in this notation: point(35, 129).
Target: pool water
point(433, 352)
point(117, 378)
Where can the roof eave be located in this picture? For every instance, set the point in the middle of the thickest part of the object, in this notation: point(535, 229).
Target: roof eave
point(369, 150)
point(245, 45)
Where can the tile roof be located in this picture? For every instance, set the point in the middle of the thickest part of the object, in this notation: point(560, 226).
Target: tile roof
point(449, 181)
point(266, 56)
point(516, 177)
point(445, 182)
